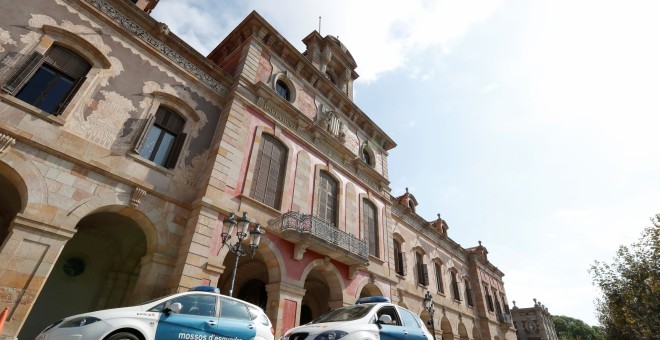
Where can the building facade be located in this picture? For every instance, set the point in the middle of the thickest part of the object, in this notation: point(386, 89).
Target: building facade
point(533, 323)
point(123, 150)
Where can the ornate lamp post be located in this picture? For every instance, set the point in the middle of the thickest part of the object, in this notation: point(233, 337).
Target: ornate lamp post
point(428, 304)
point(243, 223)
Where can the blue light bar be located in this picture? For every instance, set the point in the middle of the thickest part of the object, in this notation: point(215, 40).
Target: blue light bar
point(208, 289)
point(372, 299)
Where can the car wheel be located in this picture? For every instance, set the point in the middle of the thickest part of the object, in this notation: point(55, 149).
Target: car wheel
point(123, 336)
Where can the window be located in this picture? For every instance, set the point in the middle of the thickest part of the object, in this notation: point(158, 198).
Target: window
point(468, 294)
point(497, 302)
point(366, 157)
point(422, 270)
point(283, 90)
point(506, 306)
point(49, 82)
point(268, 178)
point(164, 139)
point(438, 278)
point(233, 309)
point(192, 304)
point(454, 286)
point(370, 226)
point(489, 300)
point(327, 203)
point(399, 259)
point(391, 311)
point(410, 320)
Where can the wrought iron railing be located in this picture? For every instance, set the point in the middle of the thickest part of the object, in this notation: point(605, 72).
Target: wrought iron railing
point(321, 229)
point(504, 318)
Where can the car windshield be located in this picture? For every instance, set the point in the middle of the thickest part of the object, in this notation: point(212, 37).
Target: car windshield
point(345, 314)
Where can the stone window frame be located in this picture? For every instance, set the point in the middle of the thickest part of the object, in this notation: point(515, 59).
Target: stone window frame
point(401, 261)
point(329, 170)
point(455, 284)
point(421, 267)
point(249, 174)
point(378, 218)
point(439, 284)
point(177, 105)
point(366, 148)
point(285, 78)
point(57, 36)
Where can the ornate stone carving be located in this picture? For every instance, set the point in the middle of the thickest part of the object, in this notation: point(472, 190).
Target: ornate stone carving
point(6, 143)
point(138, 194)
point(5, 39)
point(165, 50)
point(105, 123)
point(330, 121)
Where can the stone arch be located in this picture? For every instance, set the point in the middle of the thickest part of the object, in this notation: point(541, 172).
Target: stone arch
point(445, 326)
point(368, 288)
point(462, 331)
point(285, 78)
point(26, 178)
point(475, 333)
point(330, 273)
point(273, 260)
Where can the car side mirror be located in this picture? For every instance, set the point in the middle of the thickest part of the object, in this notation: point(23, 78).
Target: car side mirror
point(385, 319)
point(173, 308)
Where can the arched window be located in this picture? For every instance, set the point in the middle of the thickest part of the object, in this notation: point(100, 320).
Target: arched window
point(370, 226)
point(438, 278)
point(268, 178)
point(49, 81)
point(454, 286)
point(468, 294)
point(283, 90)
point(327, 200)
point(399, 259)
point(422, 270)
point(366, 157)
point(164, 140)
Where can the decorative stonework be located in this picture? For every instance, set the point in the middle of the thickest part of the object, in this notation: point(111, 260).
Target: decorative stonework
point(262, 103)
point(6, 143)
point(104, 125)
point(138, 194)
point(166, 51)
point(5, 39)
point(190, 175)
point(329, 121)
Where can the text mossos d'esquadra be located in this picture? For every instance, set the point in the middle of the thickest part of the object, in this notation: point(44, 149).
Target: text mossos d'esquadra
point(190, 336)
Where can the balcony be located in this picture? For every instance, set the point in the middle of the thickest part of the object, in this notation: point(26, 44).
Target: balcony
point(307, 231)
point(504, 318)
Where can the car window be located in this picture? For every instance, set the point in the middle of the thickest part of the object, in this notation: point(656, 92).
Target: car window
point(345, 314)
point(192, 304)
point(233, 309)
point(409, 319)
point(391, 311)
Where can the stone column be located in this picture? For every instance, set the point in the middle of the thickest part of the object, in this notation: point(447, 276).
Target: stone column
point(26, 259)
point(283, 306)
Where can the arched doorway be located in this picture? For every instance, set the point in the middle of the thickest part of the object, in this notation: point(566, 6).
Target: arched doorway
point(251, 279)
point(447, 332)
point(370, 289)
point(10, 203)
point(315, 302)
point(462, 331)
point(97, 269)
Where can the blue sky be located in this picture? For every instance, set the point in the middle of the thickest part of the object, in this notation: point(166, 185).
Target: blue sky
point(531, 126)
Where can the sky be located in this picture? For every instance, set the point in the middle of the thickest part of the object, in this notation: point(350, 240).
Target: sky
point(531, 126)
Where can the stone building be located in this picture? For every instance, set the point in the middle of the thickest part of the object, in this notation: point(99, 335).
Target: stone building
point(123, 150)
point(533, 323)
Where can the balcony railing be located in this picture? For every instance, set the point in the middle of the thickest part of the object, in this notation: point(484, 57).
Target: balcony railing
point(321, 236)
point(504, 318)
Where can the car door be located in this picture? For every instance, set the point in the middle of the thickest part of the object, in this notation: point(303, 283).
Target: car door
point(393, 330)
point(235, 320)
point(412, 325)
point(197, 319)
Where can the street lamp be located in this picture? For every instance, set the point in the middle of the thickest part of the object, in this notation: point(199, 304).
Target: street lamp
point(243, 223)
point(428, 304)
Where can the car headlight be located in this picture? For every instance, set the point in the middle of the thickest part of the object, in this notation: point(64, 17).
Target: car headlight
point(79, 322)
point(330, 335)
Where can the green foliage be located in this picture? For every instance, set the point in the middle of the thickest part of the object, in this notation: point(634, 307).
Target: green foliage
point(568, 328)
point(630, 304)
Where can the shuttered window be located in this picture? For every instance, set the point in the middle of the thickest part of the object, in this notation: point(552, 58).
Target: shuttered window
point(399, 259)
point(454, 287)
point(163, 142)
point(327, 202)
point(370, 226)
point(267, 181)
point(49, 82)
point(422, 271)
point(468, 294)
point(438, 278)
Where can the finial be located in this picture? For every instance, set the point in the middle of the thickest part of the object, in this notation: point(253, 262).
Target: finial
point(479, 243)
point(406, 190)
point(439, 219)
point(514, 303)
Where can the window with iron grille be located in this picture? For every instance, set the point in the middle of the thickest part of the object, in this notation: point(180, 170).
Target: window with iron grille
point(327, 200)
point(399, 259)
point(438, 278)
point(268, 177)
point(163, 142)
point(370, 226)
point(49, 81)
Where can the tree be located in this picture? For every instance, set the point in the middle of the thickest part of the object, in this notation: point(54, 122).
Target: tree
point(630, 304)
point(568, 328)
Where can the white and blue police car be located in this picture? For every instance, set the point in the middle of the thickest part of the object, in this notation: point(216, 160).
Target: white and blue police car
point(199, 314)
point(371, 318)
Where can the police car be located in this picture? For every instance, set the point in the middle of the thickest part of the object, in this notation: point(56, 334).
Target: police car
point(199, 314)
point(370, 318)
